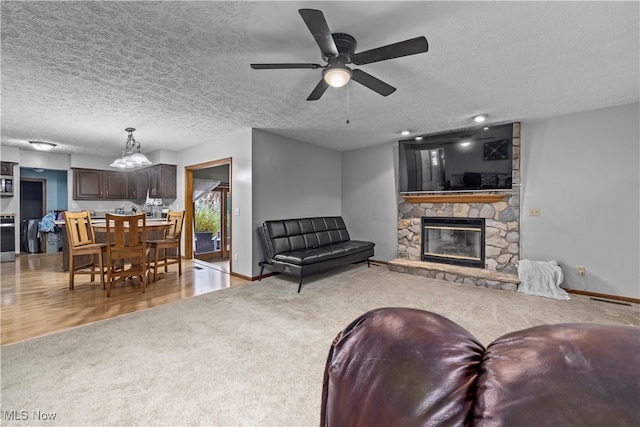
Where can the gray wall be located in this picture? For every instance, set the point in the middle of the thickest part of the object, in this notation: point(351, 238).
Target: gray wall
point(291, 179)
point(369, 193)
point(236, 145)
point(582, 171)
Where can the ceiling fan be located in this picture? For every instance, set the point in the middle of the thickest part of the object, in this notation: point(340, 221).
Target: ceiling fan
point(338, 50)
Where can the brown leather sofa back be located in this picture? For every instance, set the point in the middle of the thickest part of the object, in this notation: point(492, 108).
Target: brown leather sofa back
point(408, 367)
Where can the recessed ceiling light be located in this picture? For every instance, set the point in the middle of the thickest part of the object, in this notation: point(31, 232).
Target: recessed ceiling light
point(480, 118)
point(465, 143)
point(42, 145)
point(418, 138)
point(405, 132)
point(485, 128)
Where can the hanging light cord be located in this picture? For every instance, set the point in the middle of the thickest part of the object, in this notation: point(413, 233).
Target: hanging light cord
point(348, 86)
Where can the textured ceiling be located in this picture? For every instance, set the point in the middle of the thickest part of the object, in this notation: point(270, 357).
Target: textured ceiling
point(78, 73)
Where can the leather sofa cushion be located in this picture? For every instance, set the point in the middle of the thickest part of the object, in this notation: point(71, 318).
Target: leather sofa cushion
point(577, 374)
point(323, 253)
point(306, 233)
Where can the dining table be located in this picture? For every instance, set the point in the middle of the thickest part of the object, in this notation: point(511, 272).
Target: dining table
point(155, 231)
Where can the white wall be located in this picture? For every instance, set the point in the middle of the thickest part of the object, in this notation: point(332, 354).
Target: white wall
point(292, 179)
point(582, 171)
point(369, 197)
point(236, 145)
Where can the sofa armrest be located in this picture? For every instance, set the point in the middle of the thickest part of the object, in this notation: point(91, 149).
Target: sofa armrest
point(400, 367)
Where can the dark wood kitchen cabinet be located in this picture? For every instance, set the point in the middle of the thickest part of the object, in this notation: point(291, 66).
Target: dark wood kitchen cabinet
point(162, 181)
point(138, 185)
point(115, 185)
point(87, 184)
point(92, 184)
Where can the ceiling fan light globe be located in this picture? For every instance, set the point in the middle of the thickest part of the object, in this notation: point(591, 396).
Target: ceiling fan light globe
point(337, 77)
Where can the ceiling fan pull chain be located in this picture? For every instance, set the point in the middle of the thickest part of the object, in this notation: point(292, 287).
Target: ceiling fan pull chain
point(348, 86)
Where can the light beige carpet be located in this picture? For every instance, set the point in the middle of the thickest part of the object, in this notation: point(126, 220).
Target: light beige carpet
point(251, 355)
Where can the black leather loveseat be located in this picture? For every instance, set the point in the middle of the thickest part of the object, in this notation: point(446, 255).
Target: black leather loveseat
point(304, 246)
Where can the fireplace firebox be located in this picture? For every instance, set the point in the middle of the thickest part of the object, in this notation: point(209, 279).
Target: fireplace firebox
point(456, 241)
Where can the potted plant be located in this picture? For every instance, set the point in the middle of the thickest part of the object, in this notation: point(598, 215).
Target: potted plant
point(207, 224)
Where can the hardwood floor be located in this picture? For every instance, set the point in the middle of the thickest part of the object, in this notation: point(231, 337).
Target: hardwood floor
point(36, 299)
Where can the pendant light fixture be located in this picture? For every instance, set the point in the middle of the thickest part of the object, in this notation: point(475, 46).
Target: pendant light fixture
point(131, 156)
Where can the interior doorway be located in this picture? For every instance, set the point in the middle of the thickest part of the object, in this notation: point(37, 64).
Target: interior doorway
point(208, 201)
point(32, 208)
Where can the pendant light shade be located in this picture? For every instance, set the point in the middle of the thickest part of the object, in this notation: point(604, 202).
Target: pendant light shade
point(131, 156)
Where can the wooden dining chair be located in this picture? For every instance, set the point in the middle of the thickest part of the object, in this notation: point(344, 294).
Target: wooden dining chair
point(81, 241)
point(171, 240)
point(126, 249)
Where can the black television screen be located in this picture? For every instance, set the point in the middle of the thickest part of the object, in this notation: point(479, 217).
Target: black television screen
point(468, 160)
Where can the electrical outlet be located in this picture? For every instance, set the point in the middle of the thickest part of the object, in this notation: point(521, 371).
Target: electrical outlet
point(534, 212)
point(580, 270)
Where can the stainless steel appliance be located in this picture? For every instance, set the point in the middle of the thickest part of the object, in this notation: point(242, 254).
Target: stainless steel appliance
point(29, 236)
point(6, 186)
point(7, 237)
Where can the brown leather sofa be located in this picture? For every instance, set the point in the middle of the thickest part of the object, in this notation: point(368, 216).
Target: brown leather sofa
point(408, 367)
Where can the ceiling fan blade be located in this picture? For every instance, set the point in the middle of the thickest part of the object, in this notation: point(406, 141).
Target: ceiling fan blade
point(283, 66)
point(372, 83)
point(396, 50)
point(320, 30)
point(320, 88)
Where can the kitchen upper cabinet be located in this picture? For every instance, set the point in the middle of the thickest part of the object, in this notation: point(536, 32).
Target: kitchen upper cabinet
point(162, 181)
point(92, 184)
point(115, 185)
point(87, 184)
point(138, 185)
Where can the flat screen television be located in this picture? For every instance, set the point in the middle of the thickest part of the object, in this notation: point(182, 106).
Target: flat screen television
point(462, 161)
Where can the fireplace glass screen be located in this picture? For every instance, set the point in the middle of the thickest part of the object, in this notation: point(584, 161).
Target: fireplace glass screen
point(453, 241)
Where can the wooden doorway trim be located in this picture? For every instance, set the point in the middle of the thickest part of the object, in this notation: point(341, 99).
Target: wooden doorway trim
point(188, 203)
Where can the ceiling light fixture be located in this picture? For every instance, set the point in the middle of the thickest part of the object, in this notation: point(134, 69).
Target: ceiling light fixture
point(336, 75)
point(405, 132)
point(465, 143)
point(131, 156)
point(419, 138)
point(42, 146)
point(480, 118)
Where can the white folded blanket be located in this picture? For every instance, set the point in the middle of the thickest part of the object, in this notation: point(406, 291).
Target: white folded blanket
point(541, 278)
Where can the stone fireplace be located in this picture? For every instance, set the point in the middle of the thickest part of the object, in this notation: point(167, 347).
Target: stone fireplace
point(500, 213)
